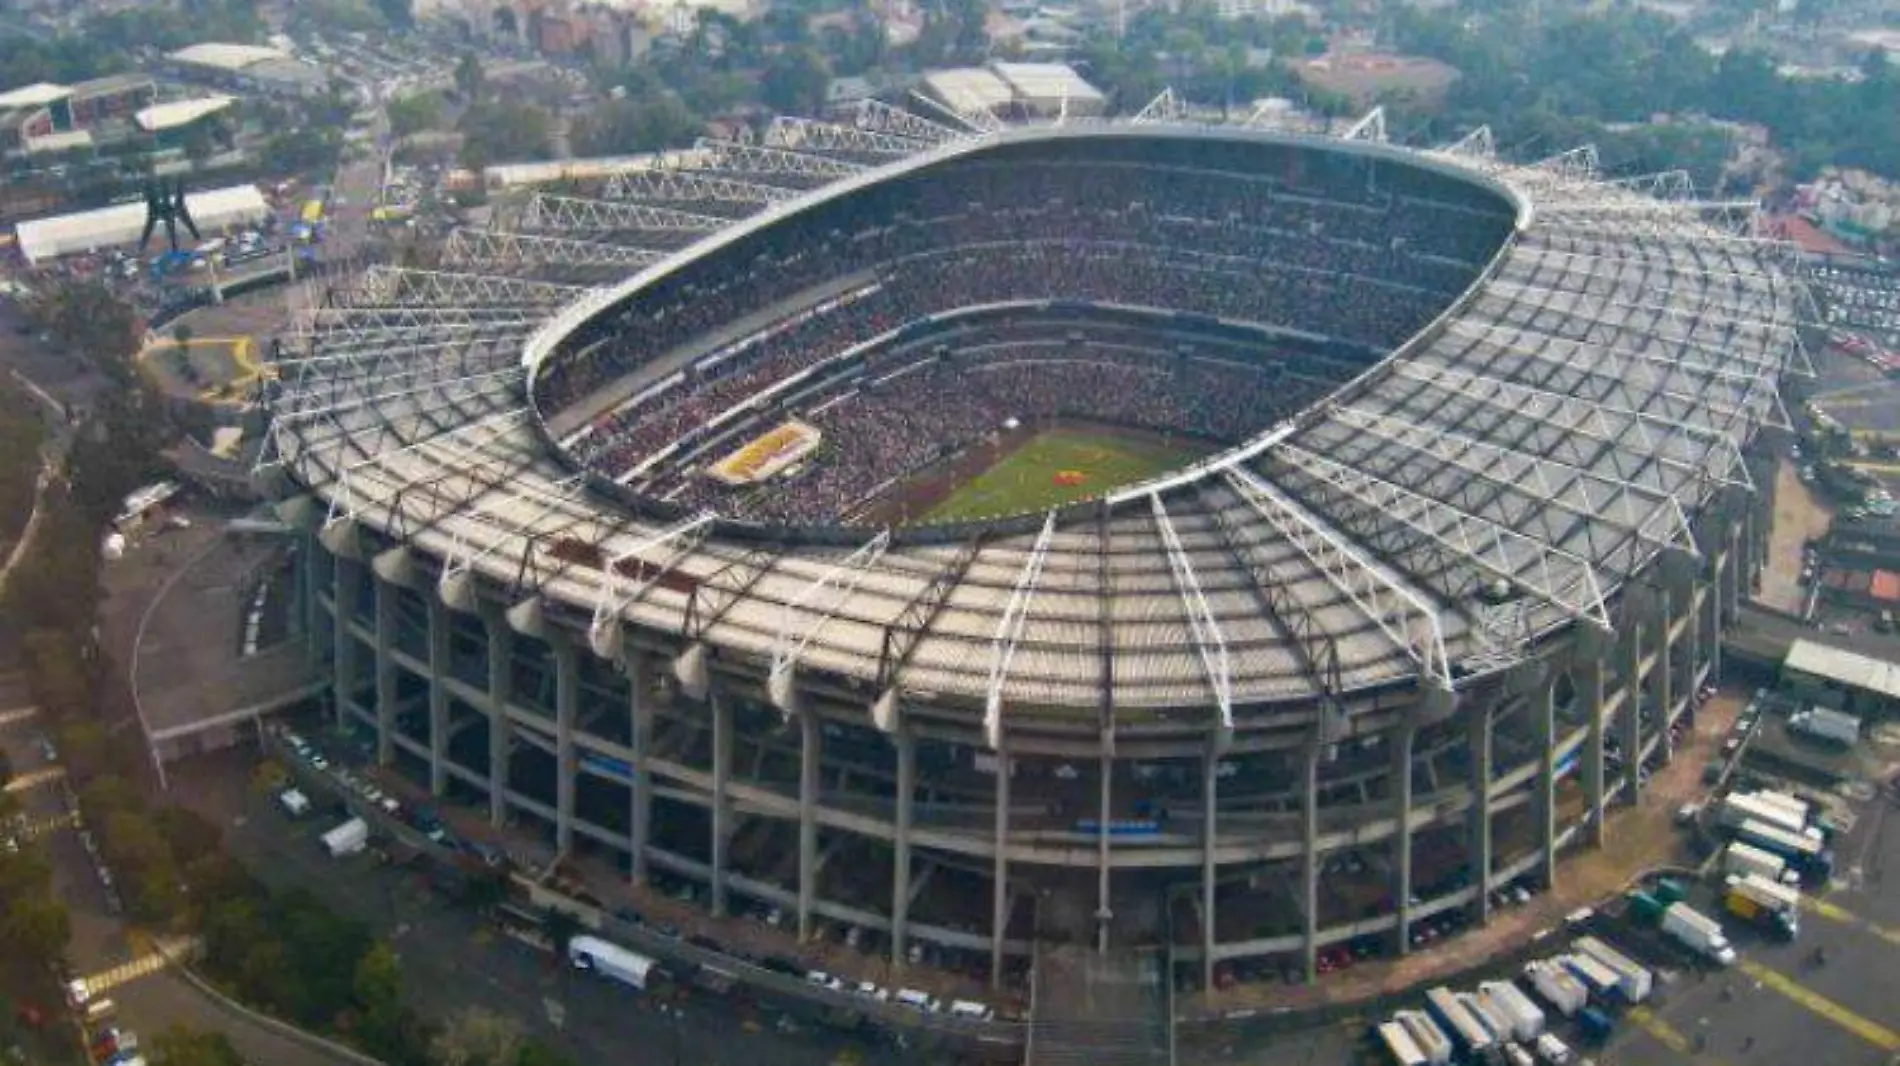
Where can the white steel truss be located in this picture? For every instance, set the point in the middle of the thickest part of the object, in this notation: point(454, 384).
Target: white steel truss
point(805, 135)
point(978, 122)
point(565, 213)
point(1399, 612)
point(876, 116)
point(754, 159)
point(1651, 438)
point(353, 488)
point(1165, 107)
point(1551, 575)
point(669, 185)
point(465, 552)
point(1210, 641)
point(792, 637)
point(1478, 144)
point(603, 633)
point(434, 288)
point(1369, 128)
point(484, 247)
point(1648, 514)
point(1009, 630)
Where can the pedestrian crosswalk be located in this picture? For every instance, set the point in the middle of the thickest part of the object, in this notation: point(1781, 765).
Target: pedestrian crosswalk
point(144, 965)
point(35, 778)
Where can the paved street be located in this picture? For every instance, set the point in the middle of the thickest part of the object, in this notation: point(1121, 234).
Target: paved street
point(453, 960)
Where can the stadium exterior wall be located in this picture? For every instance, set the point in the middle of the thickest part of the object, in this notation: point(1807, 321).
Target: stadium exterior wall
point(420, 675)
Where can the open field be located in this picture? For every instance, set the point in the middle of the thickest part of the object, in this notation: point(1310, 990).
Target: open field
point(1057, 467)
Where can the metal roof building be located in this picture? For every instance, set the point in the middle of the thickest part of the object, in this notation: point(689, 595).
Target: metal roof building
point(46, 239)
point(1051, 88)
point(180, 113)
point(230, 58)
point(1858, 682)
point(36, 95)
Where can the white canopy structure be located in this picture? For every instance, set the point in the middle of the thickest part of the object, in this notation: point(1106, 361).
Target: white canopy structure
point(46, 239)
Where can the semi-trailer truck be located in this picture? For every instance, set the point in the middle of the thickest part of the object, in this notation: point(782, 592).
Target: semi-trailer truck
point(1400, 1048)
point(347, 839)
point(1701, 933)
point(1602, 981)
point(1633, 981)
point(1741, 859)
point(1768, 904)
point(1465, 1031)
point(1564, 993)
point(1808, 855)
point(610, 960)
point(1739, 807)
point(1507, 1001)
point(1427, 1035)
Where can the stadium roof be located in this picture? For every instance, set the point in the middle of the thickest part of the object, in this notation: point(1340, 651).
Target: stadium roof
point(287, 71)
point(38, 94)
point(1846, 668)
point(1555, 432)
point(179, 113)
point(226, 57)
point(969, 90)
point(121, 224)
point(1048, 82)
point(112, 83)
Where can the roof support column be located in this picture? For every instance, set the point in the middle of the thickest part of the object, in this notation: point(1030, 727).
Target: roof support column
point(1632, 740)
point(1309, 860)
point(1542, 707)
point(721, 708)
point(310, 580)
point(1401, 740)
point(1713, 605)
point(1588, 674)
point(999, 874)
point(810, 748)
point(567, 697)
point(438, 697)
point(1664, 678)
point(343, 665)
point(500, 727)
point(385, 671)
point(1210, 869)
point(640, 812)
point(1478, 829)
point(900, 842)
point(1104, 903)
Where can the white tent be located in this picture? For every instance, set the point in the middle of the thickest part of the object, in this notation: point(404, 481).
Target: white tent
point(121, 224)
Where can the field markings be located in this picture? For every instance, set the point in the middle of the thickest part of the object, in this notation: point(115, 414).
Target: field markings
point(1835, 913)
point(1866, 1028)
point(1668, 1035)
point(143, 966)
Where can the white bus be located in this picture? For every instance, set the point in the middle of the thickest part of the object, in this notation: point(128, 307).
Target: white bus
point(610, 960)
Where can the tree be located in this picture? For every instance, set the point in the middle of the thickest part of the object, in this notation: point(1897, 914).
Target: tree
point(618, 127)
point(794, 81)
point(504, 131)
point(475, 1037)
point(416, 112)
point(400, 14)
point(179, 1046)
point(387, 1026)
point(468, 76)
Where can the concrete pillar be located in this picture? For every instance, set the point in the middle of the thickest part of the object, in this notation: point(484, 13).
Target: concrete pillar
point(385, 671)
point(640, 817)
point(567, 699)
point(500, 727)
point(900, 843)
point(343, 665)
point(439, 622)
point(311, 584)
point(1664, 677)
point(1309, 861)
point(1401, 740)
point(1634, 621)
point(999, 896)
point(1105, 814)
point(1588, 673)
point(1210, 868)
point(1542, 708)
point(721, 708)
point(810, 749)
point(1478, 818)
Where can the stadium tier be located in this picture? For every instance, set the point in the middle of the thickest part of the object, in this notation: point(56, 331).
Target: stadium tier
point(1468, 496)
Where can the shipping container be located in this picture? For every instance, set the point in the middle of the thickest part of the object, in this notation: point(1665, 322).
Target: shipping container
point(1465, 1031)
point(1632, 980)
point(1508, 1001)
point(1400, 1048)
point(1427, 1035)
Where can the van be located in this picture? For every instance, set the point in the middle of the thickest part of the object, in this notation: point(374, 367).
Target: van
point(964, 1008)
point(295, 803)
point(916, 1000)
point(100, 1010)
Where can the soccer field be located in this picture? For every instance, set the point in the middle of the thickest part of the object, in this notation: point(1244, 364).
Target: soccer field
point(1056, 467)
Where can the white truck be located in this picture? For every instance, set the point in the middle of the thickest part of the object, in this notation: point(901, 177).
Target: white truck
point(1701, 933)
point(1426, 1035)
point(1598, 978)
point(1823, 724)
point(1507, 1001)
point(1740, 807)
point(1400, 1047)
point(1633, 980)
point(1741, 859)
point(610, 960)
point(1554, 1051)
point(1563, 992)
point(347, 839)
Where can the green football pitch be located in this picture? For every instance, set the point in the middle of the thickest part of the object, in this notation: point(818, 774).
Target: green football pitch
point(1056, 467)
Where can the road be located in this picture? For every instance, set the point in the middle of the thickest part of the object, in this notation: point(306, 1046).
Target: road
point(155, 998)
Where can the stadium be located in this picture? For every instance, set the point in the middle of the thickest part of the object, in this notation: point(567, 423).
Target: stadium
point(1128, 534)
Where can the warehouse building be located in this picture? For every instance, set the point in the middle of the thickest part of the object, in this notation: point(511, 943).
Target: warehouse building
point(249, 68)
point(214, 210)
point(1841, 679)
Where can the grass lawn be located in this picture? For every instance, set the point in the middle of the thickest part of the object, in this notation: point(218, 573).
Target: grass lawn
point(1057, 467)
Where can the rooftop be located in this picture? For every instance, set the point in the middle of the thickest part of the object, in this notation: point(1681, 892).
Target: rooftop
point(1843, 667)
point(38, 94)
point(60, 142)
point(115, 83)
point(180, 112)
point(1047, 81)
point(286, 69)
point(229, 57)
point(969, 89)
